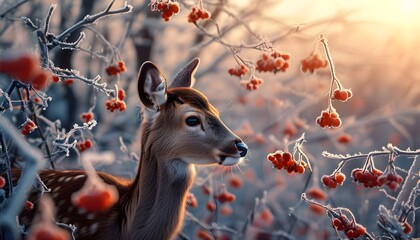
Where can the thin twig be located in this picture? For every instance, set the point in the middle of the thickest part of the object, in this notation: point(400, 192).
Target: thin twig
point(90, 19)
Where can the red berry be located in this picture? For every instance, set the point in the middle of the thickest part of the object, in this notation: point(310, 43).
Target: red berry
point(344, 138)
point(407, 229)
point(317, 209)
point(2, 182)
point(203, 235)
point(95, 200)
point(48, 231)
point(121, 94)
point(29, 205)
point(267, 216)
point(211, 206)
point(339, 177)
point(235, 181)
point(317, 193)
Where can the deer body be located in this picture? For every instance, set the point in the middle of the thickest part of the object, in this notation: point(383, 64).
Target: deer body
point(179, 129)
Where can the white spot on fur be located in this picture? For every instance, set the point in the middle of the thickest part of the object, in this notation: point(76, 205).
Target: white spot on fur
point(93, 228)
point(68, 179)
point(79, 176)
point(61, 179)
point(56, 189)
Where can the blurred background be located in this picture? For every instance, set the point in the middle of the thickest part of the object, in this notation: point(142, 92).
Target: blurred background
point(375, 50)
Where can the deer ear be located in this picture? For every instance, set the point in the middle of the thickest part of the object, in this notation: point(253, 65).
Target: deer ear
point(185, 77)
point(151, 86)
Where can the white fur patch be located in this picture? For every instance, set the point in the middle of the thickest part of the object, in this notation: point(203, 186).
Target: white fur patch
point(230, 161)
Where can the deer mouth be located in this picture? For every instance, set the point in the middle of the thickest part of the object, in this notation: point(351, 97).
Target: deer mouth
point(229, 160)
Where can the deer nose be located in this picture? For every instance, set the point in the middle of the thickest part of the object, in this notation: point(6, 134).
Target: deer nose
point(242, 147)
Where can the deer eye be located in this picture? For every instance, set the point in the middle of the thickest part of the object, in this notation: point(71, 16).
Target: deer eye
point(192, 121)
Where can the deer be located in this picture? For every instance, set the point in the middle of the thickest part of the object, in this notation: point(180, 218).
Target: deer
point(179, 129)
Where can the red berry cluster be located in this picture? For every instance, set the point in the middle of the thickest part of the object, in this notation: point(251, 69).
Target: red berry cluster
point(350, 228)
point(329, 119)
point(342, 94)
point(238, 71)
point(115, 69)
point(83, 146)
point(273, 62)
point(197, 14)
point(25, 68)
point(312, 62)
point(168, 9)
point(114, 103)
point(368, 178)
point(332, 181)
point(285, 160)
point(28, 127)
point(87, 116)
point(391, 179)
point(252, 84)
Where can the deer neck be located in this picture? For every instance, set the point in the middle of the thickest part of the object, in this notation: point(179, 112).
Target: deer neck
point(156, 203)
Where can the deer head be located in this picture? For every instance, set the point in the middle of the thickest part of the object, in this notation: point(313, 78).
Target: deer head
point(183, 123)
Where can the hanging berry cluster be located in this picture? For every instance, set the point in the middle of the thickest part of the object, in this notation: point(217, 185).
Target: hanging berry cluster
point(332, 181)
point(167, 7)
point(252, 84)
point(274, 62)
point(312, 62)
point(115, 69)
point(238, 70)
point(369, 178)
point(197, 14)
point(390, 178)
point(342, 95)
point(350, 228)
point(329, 117)
point(87, 116)
point(117, 103)
point(85, 145)
point(285, 160)
point(25, 68)
point(28, 127)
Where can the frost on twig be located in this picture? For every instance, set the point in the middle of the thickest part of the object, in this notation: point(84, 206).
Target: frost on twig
point(74, 74)
point(90, 19)
point(62, 140)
